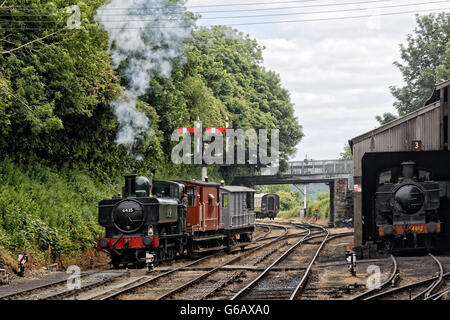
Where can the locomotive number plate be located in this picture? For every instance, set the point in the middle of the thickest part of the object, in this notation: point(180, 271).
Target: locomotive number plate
point(417, 228)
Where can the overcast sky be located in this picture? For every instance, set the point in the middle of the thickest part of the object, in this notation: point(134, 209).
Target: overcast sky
point(338, 71)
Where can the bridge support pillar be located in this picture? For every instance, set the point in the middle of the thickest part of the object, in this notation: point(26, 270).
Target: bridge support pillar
point(331, 185)
point(341, 202)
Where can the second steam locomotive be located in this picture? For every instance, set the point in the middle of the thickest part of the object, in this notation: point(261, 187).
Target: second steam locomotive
point(406, 207)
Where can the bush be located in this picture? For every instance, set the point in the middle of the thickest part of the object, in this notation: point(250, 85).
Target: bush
point(42, 208)
point(323, 205)
point(292, 213)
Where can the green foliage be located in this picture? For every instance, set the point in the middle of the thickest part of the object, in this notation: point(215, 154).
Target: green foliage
point(288, 199)
point(424, 64)
point(291, 202)
point(41, 207)
point(58, 155)
point(58, 88)
point(231, 65)
point(443, 71)
point(347, 153)
point(385, 118)
point(223, 77)
point(323, 205)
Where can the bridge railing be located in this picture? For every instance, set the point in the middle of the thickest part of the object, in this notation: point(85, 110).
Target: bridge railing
point(312, 167)
point(319, 167)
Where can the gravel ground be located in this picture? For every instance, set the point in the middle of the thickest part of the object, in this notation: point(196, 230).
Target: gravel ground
point(330, 278)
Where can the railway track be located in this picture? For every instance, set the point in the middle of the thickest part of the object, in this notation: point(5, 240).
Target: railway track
point(90, 281)
point(144, 281)
point(267, 284)
point(371, 292)
point(417, 290)
point(59, 289)
point(208, 275)
point(178, 275)
point(207, 284)
point(210, 283)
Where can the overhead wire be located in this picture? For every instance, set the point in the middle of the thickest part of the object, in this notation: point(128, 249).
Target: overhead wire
point(251, 16)
point(190, 6)
point(265, 22)
point(142, 11)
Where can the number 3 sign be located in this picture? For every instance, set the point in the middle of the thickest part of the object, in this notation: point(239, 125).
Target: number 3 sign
point(417, 145)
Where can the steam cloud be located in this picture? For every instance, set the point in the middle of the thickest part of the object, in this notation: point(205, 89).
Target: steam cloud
point(145, 36)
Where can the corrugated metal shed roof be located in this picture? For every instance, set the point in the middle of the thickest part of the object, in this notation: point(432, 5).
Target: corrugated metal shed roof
point(394, 123)
point(432, 103)
point(443, 84)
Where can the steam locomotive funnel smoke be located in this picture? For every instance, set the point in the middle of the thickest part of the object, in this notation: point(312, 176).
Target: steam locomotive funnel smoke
point(408, 169)
point(145, 38)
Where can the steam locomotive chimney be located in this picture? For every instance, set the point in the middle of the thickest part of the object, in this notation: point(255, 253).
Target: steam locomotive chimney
point(130, 185)
point(408, 169)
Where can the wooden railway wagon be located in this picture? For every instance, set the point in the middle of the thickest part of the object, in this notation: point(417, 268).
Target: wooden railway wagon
point(203, 216)
point(422, 136)
point(237, 213)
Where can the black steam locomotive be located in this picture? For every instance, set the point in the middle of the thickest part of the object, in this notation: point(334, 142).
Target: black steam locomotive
point(406, 207)
point(137, 223)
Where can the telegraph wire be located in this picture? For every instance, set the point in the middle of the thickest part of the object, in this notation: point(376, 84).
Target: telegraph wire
point(248, 16)
point(301, 13)
point(193, 6)
point(338, 18)
point(272, 9)
point(266, 22)
point(207, 12)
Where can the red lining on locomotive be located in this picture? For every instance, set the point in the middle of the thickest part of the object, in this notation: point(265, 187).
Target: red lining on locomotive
point(410, 229)
point(132, 243)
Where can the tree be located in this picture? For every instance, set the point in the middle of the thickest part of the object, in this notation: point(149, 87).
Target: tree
point(347, 153)
point(230, 63)
point(443, 71)
point(386, 118)
point(56, 89)
point(422, 56)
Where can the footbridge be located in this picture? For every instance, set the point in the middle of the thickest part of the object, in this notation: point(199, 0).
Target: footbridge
point(301, 172)
point(338, 174)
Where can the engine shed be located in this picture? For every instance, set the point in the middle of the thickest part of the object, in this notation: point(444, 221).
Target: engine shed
point(421, 136)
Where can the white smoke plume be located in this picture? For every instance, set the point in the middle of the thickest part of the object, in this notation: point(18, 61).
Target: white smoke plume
point(147, 35)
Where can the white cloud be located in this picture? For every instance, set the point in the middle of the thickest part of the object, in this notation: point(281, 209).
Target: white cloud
point(338, 72)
